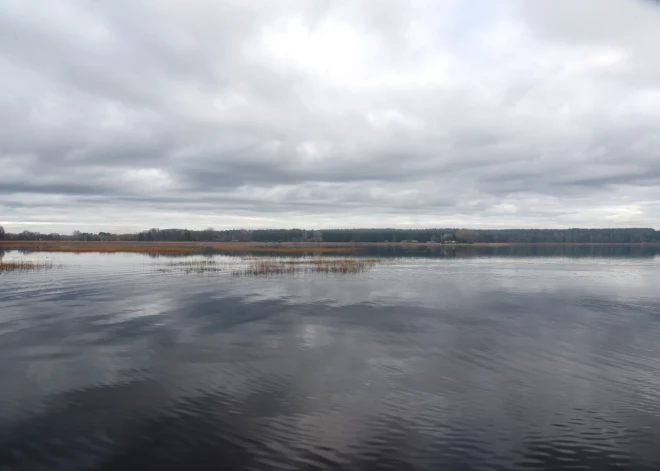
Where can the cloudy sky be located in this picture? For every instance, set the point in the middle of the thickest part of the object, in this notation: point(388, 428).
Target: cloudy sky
point(125, 115)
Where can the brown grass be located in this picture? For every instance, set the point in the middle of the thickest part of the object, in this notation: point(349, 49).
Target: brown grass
point(24, 265)
point(190, 266)
point(169, 248)
point(276, 266)
point(191, 248)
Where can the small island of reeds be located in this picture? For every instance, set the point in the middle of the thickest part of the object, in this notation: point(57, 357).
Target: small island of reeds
point(265, 266)
point(24, 265)
point(190, 266)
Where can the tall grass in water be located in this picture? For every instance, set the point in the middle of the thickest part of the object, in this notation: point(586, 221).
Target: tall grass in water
point(190, 266)
point(278, 266)
point(24, 265)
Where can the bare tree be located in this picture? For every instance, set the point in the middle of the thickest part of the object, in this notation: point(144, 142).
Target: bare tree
point(467, 236)
point(2, 233)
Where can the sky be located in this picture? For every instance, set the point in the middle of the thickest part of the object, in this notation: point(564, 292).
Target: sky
point(126, 115)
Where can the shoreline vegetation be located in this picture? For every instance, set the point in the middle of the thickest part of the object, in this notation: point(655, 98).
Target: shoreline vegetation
point(193, 248)
point(352, 236)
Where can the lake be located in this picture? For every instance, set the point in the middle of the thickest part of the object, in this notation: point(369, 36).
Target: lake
point(472, 359)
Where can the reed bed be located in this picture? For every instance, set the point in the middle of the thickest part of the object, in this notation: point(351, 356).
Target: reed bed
point(190, 266)
point(278, 266)
point(169, 248)
point(25, 265)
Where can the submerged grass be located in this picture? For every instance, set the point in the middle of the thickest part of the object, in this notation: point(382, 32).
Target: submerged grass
point(278, 266)
point(24, 265)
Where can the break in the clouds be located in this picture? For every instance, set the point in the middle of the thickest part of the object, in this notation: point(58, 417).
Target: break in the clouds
point(125, 115)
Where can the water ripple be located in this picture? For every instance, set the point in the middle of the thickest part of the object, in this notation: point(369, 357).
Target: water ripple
point(479, 364)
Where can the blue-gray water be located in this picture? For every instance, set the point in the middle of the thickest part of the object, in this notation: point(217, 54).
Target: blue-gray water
point(521, 361)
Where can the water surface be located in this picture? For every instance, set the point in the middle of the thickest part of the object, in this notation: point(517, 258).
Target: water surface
point(471, 360)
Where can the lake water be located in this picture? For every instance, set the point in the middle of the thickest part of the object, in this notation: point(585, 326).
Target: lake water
point(521, 359)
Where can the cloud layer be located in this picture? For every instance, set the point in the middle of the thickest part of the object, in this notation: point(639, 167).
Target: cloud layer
point(127, 115)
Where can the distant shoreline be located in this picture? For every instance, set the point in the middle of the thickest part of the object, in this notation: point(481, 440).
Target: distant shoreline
point(280, 247)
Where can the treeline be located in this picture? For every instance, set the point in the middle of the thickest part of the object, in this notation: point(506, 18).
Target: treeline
point(447, 235)
point(494, 235)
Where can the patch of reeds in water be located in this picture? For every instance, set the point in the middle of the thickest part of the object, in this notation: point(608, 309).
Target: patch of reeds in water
point(25, 265)
point(277, 266)
point(190, 266)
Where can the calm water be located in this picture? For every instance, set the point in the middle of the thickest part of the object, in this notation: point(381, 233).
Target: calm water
point(485, 360)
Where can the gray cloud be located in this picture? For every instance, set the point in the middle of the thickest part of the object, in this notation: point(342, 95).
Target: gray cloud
point(126, 115)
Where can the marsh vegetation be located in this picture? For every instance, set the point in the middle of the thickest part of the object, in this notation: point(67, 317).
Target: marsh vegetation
point(190, 266)
point(169, 248)
point(25, 265)
point(265, 266)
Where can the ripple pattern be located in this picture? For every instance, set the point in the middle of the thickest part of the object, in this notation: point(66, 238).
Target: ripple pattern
point(476, 364)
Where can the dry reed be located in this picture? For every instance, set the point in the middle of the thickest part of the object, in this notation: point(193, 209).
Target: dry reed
point(167, 248)
point(25, 265)
point(276, 266)
point(190, 266)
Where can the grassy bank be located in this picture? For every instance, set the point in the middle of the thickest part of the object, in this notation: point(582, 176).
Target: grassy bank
point(172, 248)
point(183, 248)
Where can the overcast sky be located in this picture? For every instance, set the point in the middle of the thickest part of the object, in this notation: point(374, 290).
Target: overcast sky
point(125, 115)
